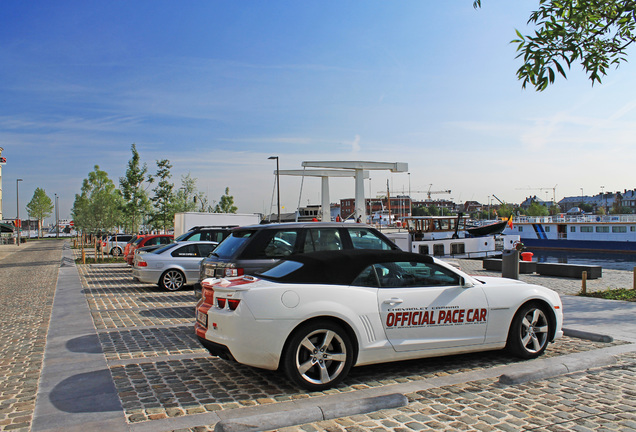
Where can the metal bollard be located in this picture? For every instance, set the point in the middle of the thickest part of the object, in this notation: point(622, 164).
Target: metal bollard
point(510, 264)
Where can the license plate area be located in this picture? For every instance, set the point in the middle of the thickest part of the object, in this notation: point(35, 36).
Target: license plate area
point(202, 318)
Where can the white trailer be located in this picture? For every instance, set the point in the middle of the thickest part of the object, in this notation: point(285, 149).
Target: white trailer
point(184, 222)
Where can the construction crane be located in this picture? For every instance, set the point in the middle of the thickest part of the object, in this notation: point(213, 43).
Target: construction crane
point(500, 201)
point(542, 189)
point(428, 192)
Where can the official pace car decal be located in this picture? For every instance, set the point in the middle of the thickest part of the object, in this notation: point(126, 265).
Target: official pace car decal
point(434, 316)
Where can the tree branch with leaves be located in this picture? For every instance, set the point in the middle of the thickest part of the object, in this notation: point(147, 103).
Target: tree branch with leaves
point(594, 33)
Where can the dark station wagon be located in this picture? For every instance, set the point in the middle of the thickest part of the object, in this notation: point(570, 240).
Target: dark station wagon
point(256, 248)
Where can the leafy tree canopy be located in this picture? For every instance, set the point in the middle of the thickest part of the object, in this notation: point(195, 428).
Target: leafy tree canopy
point(136, 202)
point(164, 196)
point(40, 207)
point(537, 210)
point(226, 203)
point(593, 33)
point(98, 207)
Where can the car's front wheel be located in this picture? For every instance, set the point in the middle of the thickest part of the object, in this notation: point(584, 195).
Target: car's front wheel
point(529, 332)
point(318, 356)
point(172, 280)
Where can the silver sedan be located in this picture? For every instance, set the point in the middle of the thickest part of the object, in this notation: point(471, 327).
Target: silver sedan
point(172, 266)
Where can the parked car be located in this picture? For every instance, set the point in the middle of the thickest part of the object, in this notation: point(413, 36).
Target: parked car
point(207, 233)
point(258, 247)
point(316, 315)
point(147, 240)
point(172, 266)
point(115, 244)
point(130, 243)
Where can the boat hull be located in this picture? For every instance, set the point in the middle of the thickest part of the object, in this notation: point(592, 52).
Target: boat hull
point(580, 245)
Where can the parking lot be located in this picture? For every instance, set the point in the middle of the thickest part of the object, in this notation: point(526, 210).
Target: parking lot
point(165, 380)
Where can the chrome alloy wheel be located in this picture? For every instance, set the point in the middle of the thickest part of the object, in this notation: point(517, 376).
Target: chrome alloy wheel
point(321, 356)
point(172, 280)
point(534, 330)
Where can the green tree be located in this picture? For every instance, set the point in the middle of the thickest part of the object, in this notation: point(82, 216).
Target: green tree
point(537, 210)
point(136, 202)
point(186, 198)
point(505, 210)
point(40, 207)
point(98, 207)
point(226, 203)
point(164, 195)
point(594, 33)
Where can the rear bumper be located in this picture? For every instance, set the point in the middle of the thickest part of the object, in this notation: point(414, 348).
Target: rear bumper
point(216, 349)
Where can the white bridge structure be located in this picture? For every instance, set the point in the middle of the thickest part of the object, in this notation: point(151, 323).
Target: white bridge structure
point(357, 169)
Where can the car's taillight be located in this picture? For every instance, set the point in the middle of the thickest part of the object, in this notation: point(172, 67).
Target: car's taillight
point(103, 244)
point(232, 304)
point(233, 272)
point(142, 264)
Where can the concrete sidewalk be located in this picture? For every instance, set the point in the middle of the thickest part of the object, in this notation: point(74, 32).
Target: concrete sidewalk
point(76, 391)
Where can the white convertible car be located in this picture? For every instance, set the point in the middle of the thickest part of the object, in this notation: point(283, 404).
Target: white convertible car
point(316, 315)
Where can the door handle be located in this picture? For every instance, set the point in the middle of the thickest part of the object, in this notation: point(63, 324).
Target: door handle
point(393, 301)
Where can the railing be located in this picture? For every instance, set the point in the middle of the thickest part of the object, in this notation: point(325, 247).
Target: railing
point(562, 218)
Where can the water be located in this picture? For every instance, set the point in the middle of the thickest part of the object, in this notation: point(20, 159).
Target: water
point(605, 260)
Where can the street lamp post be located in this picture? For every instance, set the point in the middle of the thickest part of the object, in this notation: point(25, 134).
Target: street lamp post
point(277, 185)
point(410, 199)
point(17, 198)
point(57, 219)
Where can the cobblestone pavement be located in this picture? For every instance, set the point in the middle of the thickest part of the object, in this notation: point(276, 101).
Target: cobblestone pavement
point(160, 371)
point(27, 286)
point(601, 399)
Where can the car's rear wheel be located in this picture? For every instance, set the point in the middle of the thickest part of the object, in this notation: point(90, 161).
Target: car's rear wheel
point(529, 332)
point(318, 356)
point(172, 280)
point(115, 252)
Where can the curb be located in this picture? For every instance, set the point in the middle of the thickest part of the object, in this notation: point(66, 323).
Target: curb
point(558, 367)
point(276, 420)
point(595, 337)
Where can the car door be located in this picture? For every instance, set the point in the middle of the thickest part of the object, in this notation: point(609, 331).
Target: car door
point(424, 306)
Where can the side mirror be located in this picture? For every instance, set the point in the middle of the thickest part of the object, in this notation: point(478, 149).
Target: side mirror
point(465, 284)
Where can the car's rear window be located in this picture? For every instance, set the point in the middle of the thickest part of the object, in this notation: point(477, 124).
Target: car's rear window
point(363, 238)
point(281, 270)
point(228, 247)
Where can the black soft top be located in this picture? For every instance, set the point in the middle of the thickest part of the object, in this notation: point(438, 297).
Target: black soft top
point(340, 267)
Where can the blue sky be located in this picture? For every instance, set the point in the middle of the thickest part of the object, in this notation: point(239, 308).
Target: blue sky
point(217, 87)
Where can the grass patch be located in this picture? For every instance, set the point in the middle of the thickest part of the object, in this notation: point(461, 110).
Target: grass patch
point(613, 294)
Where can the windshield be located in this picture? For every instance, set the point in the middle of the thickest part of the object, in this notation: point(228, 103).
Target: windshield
point(162, 248)
point(182, 237)
point(228, 247)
